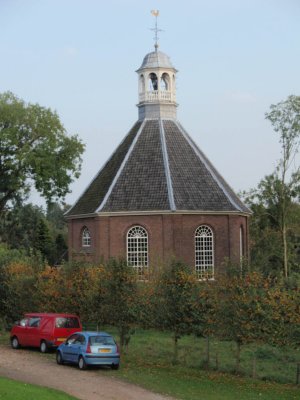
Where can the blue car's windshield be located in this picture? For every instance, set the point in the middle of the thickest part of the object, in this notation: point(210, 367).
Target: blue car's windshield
point(101, 341)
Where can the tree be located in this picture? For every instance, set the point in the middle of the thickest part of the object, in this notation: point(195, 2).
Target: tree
point(19, 283)
point(120, 298)
point(34, 148)
point(284, 304)
point(18, 226)
point(285, 119)
point(174, 302)
point(204, 314)
point(266, 241)
point(243, 314)
point(43, 243)
point(26, 226)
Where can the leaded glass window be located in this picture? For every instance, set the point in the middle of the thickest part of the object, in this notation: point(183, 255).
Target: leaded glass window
point(137, 249)
point(204, 252)
point(86, 238)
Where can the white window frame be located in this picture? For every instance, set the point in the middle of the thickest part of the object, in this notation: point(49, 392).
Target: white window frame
point(204, 253)
point(137, 249)
point(86, 237)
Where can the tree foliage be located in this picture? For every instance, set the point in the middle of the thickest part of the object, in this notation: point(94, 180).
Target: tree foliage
point(29, 227)
point(266, 242)
point(274, 227)
point(34, 149)
point(285, 119)
point(120, 298)
point(174, 302)
point(242, 314)
point(244, 309)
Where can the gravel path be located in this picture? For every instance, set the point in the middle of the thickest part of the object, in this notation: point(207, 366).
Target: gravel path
point(33, 367)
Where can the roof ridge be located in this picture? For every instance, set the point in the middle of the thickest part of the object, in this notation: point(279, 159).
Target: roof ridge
point(208, 166)
point(167, 167)
point(108, 193)
point(98, 172)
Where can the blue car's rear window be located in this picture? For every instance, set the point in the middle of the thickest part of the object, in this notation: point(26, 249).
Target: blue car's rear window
point(101, 341)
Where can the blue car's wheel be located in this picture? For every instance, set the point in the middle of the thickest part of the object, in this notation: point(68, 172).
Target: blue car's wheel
point(114, 366)
point(81, 363)
point(59, 358)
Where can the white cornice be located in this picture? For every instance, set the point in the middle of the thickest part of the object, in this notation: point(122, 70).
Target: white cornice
point(157, 212)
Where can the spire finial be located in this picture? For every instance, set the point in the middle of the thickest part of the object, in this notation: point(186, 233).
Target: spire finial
point(155, 13)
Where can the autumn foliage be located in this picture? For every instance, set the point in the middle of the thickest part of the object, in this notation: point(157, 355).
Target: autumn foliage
point(243, 308)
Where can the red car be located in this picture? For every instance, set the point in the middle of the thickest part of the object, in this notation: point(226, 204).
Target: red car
point(43, 330)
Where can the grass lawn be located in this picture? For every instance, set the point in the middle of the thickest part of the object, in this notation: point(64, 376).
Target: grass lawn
point(13, 390)
point(148, 363)
point(181, 384)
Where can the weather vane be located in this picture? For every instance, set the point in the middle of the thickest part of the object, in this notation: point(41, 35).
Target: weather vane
point(155, 13)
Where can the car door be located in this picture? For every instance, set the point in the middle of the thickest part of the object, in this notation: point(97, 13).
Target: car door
point(33, 331)
point(21, 331)
point(71, 348)
point(77, 347)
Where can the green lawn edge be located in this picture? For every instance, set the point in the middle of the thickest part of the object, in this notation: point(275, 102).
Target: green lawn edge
point(177, 383)
point(15, 390)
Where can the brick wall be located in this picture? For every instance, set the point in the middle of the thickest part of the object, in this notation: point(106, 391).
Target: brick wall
point(169, 235)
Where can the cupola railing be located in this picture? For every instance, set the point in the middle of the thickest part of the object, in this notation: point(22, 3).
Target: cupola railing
point(157, 95)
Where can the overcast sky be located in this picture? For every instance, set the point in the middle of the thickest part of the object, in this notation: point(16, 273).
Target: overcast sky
point(235, 58)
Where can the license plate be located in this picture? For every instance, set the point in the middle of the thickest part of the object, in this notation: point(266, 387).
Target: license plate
point(61, 339)
point(104, 350)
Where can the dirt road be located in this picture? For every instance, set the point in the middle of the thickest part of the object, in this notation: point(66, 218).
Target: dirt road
point(33, 367)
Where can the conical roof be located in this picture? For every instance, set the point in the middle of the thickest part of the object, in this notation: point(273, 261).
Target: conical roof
point(158, 168)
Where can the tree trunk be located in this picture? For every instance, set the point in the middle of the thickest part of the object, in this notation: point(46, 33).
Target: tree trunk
point(283, 209)
point(175, 354)
point(285, 253)
point(254, 367)
point(238, 357)
point(217, 361)
point(207, 361)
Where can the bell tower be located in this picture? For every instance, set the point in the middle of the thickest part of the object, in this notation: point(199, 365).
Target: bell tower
point(157, 84)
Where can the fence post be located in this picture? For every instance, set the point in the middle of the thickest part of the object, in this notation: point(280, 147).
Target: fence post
point(217, 361)
point(254, 367)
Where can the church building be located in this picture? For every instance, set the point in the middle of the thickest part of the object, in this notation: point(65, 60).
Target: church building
point(158, 196)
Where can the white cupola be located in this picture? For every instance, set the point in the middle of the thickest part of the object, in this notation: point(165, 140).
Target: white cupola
point(157, 86)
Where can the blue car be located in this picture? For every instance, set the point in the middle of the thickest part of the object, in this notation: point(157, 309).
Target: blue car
point(89, 348)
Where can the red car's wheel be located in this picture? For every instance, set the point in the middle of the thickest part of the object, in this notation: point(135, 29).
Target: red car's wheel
point(15, 343)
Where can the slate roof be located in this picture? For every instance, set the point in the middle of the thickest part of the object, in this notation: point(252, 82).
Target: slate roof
point(156, 59)
point(158, 167)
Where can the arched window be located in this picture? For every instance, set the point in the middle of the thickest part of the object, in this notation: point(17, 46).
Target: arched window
point(137, 249)
point(153, 84)
point(141, 84)
point(85, 237)
point(165, 82)
point(204, 252)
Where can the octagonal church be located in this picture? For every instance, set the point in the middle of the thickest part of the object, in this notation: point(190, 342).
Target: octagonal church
point(158, 196)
